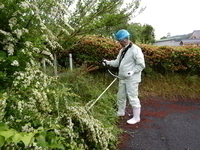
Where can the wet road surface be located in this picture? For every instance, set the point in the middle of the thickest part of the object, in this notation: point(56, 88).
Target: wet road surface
point(163, 126)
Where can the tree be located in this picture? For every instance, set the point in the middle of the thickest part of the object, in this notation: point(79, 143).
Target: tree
point(142, 33)
point(164, 37)
point(101, 16)
point(147, 34)
point(135, 29)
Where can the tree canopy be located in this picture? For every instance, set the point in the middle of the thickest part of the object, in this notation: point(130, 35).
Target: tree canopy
point(102, 17)
point(142, 33)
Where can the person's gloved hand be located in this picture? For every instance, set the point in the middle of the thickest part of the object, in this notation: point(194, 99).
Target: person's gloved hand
point(129, 73)
point(104, 62)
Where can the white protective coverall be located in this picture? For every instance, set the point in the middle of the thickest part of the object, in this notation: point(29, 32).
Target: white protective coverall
point(128, 85)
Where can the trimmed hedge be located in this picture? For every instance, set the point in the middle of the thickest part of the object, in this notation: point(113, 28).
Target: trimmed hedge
point(90, 50)
point(162, 59)
point(170, 59)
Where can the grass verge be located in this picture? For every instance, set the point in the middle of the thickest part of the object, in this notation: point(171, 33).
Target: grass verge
point(172, 86)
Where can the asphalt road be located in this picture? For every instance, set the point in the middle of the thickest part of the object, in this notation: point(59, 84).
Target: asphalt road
point(164, 126)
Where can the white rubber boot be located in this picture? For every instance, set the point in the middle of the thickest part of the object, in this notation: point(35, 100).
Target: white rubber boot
point(136, 116)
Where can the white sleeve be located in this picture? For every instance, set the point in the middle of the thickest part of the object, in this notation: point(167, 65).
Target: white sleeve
point(139, 61)
point(115, 63)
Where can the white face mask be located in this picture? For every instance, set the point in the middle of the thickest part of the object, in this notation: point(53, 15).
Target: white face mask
point(124, 43)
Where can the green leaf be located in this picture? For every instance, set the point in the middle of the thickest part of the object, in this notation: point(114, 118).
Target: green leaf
point(26, 139)
point(3, 126)
point(41, 141)
point(2, 54)
point(17, 137)
point(7, 133)
point(2, 140)
point(60, 146)
point(18, 120)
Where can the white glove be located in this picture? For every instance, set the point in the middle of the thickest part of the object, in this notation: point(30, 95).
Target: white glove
point(105, 62)
point(130, 73)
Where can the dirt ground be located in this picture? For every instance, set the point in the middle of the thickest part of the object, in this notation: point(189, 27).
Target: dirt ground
point(164, 125)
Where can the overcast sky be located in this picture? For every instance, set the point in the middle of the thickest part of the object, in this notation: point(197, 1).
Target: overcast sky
point(174, 16)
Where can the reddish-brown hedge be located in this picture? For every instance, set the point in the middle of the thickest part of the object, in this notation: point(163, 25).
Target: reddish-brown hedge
point(90, 50)
point(163, 59)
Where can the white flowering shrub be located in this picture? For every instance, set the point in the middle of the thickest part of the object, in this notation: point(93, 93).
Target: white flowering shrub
point(37, 112)
point(3, 98)
point(29, 31)
point(40, 106)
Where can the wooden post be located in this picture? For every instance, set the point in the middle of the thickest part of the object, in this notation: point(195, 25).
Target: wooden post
point(44, 65)
point(70, 61)
point(55, 66)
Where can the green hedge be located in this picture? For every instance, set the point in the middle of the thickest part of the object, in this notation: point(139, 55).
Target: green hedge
point(163, 59)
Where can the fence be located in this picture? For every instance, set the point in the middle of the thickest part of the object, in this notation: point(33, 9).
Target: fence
point(55, 64)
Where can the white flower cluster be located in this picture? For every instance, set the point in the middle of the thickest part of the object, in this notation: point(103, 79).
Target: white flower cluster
point(96, 133)
point(65, 31)
point(29, 104)
point(28, 43)
point(33, 99)
point(9, 48)
point(20, 106)
point(15, 63)
point(42, 99)
point(5, 33)
point(36, 147)
point(64, 8)
point(31, 76)
point(2, 6)
point(51, 40)
point(47, 53)
point(27, 128)
point(48, 61)
point(12, 22)
point(36, 50)
point(24, 5)
point(3, 104)
point(49, 36)
point(8, 42)
point(20, 32)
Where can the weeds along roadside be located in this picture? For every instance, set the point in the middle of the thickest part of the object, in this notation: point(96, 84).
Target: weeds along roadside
point(88, 86)
point(173, 87)
point(169, 86)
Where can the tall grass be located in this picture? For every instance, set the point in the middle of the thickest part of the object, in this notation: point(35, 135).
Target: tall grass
point(171, 86)
point(89, 86)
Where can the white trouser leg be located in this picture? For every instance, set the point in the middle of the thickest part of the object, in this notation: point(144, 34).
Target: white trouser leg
point(132, 93)
point(121, 99)
point(136, 116)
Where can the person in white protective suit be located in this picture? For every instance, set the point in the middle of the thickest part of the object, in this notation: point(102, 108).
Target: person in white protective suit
point(130, 62)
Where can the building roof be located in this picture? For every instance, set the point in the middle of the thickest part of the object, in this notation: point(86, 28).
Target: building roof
point(188, 41)
point(191, 38)
point(176, 38)
point(195, 33)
